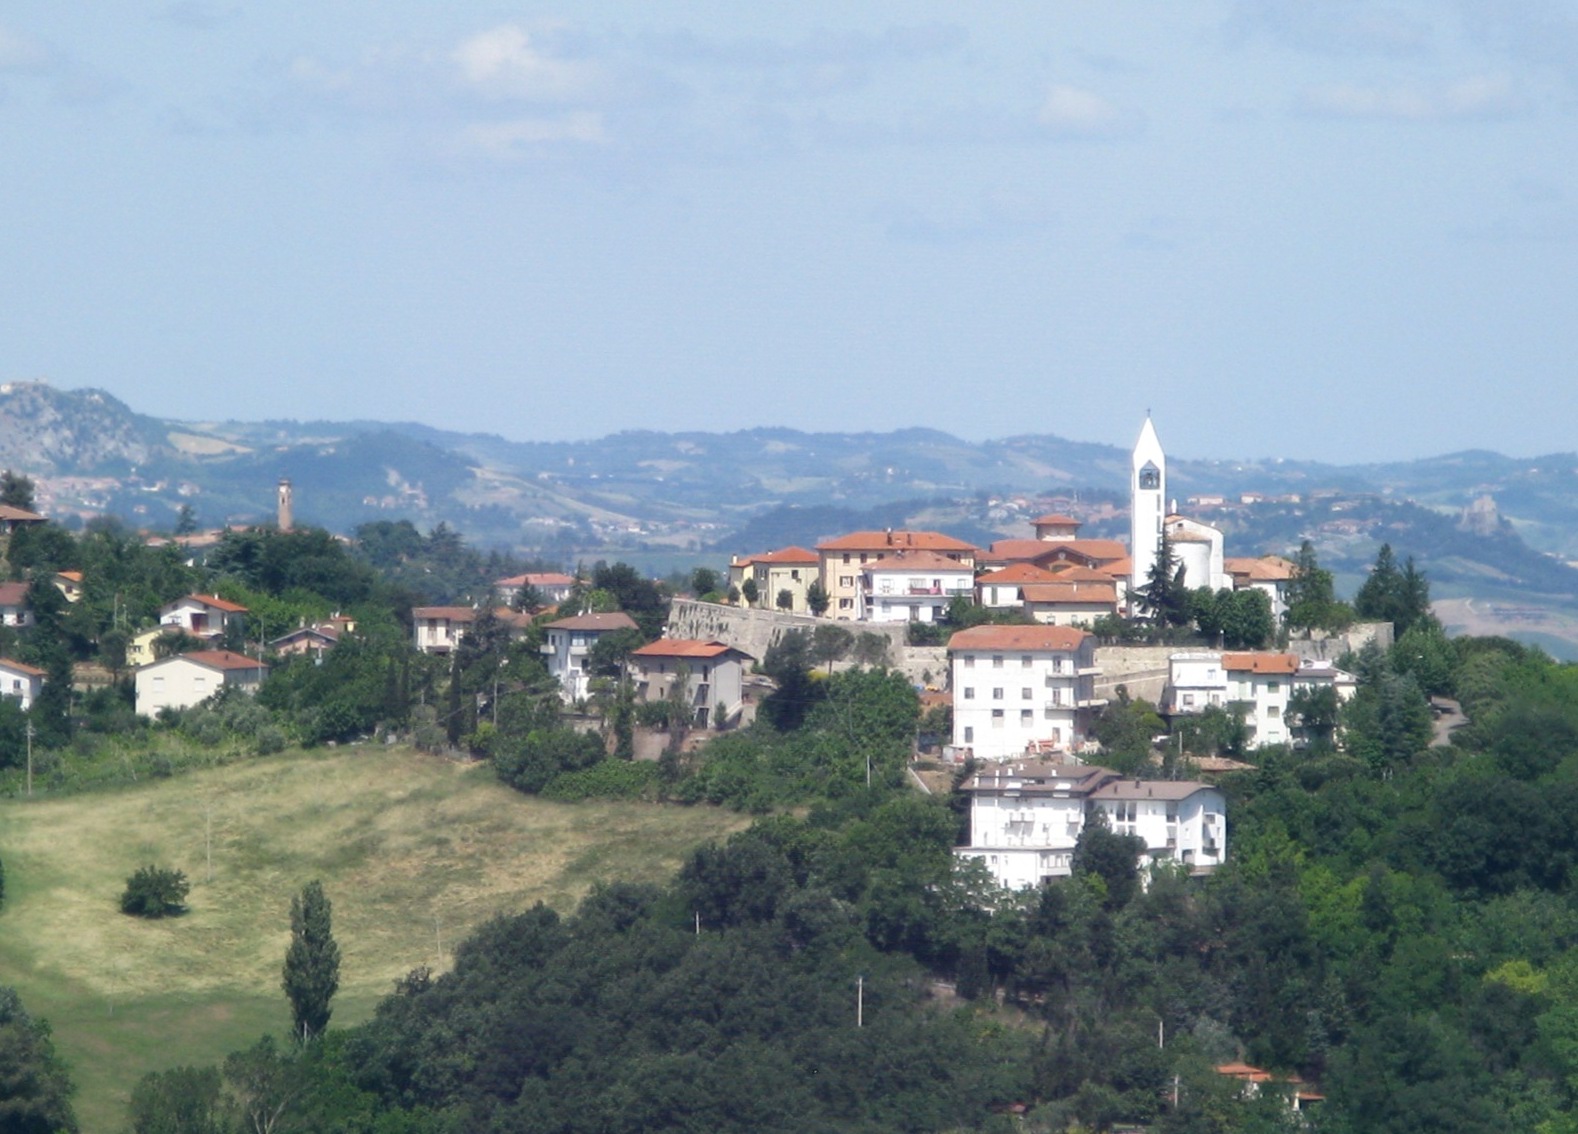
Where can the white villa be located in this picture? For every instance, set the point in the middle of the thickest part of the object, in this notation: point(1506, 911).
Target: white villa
point(1026, 818)
point(1258, 682)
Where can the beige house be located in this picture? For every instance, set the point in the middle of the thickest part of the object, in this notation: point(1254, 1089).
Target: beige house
point(22, 681)
point(552, 587)
point(713, 674)
point(184, 680)
point(842, 559)
point(1070, 602)
point(789, 569)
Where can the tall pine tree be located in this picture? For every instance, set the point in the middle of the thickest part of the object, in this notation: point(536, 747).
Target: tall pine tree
point(312, 963)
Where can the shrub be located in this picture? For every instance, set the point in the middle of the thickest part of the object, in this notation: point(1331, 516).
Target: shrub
point(153, 891)
point(611, 779)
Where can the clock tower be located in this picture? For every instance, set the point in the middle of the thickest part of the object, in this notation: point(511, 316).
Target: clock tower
point(1147, 504)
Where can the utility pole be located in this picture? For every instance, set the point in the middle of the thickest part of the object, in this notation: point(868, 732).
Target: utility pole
point(30, 758)
point(860, 1001)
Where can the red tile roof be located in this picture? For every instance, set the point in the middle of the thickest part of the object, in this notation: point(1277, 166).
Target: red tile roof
point(784, 555)
point(214, 601)
point(1261, 663)
point(22, 667)
point(1080, 591)
point(907, 560)
point(19, 515)
point(13, 594)
point(684, 648)
point(537, 579)
point(1016, 573)
point(1018, 638)
point(1054, 520)
point(887, 540)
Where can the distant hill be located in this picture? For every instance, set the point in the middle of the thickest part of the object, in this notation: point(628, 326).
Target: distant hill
point(667, 498)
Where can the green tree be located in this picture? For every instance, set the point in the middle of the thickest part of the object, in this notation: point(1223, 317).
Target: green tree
point(750, 592)
point(311, 973)
point(785, 599)
point(704, 581)
point(871, 649)
point(1125, 728)
point(1312, 596)
point(35, 1090)
point(831, 643)
point(266, 1084)
point(788, 663)
point(817, 600)
point(16, 490)
point(1163, 596)
point(182, 1100)
point(1105, 854)
point(185, 520)
point(1389, 594)
point(154, 892)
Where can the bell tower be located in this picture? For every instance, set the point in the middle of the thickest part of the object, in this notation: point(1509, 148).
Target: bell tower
point(1147, 503)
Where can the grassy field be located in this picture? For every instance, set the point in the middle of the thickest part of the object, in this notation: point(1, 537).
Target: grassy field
point(412, 850)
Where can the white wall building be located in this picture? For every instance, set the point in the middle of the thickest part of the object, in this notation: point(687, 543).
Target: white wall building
point(912, 586)
point(552, 587)
point(570, 640)
point(184, 680)
point(439, 629)
point(1258, 683)
point(21, 681)
point(1198, 550)
point(1019, 689)
point(1026, 818)
point(201, 616)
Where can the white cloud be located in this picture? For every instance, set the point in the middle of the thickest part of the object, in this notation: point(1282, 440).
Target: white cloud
point(1331, 27)
point(1478, 96)
point(1075, 112)
point(521, 135)
point(503, 62)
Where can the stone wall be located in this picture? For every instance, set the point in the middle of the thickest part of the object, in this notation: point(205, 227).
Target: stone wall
point(1142, 670)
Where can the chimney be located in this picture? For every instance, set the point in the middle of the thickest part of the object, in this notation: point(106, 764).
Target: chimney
point(890, 537)
point(285, 517)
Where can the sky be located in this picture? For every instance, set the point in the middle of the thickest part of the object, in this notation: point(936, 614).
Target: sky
point(1301, 228)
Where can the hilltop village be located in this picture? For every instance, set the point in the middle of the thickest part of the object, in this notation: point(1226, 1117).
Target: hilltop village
point(1095, 783)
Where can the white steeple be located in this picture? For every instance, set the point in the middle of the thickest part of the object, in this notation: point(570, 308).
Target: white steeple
point(1147, 503)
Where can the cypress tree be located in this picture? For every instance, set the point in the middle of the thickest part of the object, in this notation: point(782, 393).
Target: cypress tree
point(312, 963)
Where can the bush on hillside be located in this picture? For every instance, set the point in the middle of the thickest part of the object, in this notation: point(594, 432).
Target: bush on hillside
point(153, 891)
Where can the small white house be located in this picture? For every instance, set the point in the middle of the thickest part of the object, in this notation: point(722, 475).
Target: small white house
point(1019, 689)
point(14, 610)
point(1026, 818)
point(713, 674)
point(439, 629)
point(569, 642)
point(201, 616)
point(184, 680)
point(552, 587)
point(21, 681)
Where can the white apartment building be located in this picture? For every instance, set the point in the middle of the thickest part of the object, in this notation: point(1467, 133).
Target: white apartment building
point(912, 586)
point(1019, 689)
point(1026, 818)
point(569, 642)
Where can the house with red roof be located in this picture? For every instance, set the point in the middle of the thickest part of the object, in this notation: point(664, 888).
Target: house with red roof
point(22, 681)
point(439, 629)
point(552, 587)
point(14, 610)
point(788, 571)
point(843, 557)
point(1001, 589)
point(202, 616)
point(183, 680)
point(712, 674)
point(1022, 689)
point(1257, 683)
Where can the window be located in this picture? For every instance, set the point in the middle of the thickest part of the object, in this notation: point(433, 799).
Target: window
point(1025, 718)
point(846, 603)
point(969, 693)
point(969, 734)
point(794, 573)
point(846, 557)
point(997, 693)
point(997, 661)
point(1273, 686)
point(1274, 711)
point(1024, 694)
point(1026, 661)
point(969, 661)
point(846, 580)
point(997, 718)
point(1188, 700)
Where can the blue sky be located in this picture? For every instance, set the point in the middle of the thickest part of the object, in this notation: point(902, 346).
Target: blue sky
point(1311, 229)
